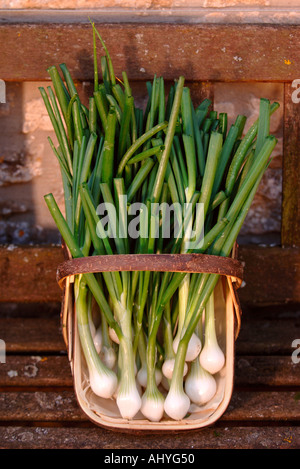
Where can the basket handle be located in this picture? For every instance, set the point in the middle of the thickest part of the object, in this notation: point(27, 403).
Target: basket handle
point(193, 263)
point(229, 267)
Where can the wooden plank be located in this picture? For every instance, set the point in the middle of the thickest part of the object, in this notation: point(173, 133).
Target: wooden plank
point(40, 406)
point(267, 337)
point(54, 371)
point(271, 275)
point(62, 406)
point(32, 335)
point(267, 371)
point(257, 336)
point(35, 370)
point(203, 52)
point(27, 274)
point(290, 231)
point(216, 437)
point(261, 406)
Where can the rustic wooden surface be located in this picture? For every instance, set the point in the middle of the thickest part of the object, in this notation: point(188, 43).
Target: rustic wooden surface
point(271, 274)
point(38, 408)
point(236, 52)
point(290, 232)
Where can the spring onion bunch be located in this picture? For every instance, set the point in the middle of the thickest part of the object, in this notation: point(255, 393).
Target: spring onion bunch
point(149, 338)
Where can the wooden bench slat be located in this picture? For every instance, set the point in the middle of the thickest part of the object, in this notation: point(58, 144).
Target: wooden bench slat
point(40, 406)
point(260, 406)
point(270, 275)
point(54, 371)
point(32, 335)
point(267, 337)
point(216, 437)
point(62, 406)
point(35, 370)
point(28, 274)
point(263, 336)
point(198, 51)
point(266, 371)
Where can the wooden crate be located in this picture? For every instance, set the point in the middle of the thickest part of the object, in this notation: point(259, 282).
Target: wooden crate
point(38, 406)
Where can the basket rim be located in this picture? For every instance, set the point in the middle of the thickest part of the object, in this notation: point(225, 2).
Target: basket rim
point(190, 263)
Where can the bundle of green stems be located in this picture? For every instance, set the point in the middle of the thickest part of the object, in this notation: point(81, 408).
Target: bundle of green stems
point(149, 338)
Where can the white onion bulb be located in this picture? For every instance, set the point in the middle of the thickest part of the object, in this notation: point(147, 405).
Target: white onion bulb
point(103, 384)
point(200, 385)
point(153, 406)
point(108, 356)
point(97, 338)
point(193, 349)
point(177, 404)
point(212, 358)
point(168, 368)
point(142, 376)
point(129, 402)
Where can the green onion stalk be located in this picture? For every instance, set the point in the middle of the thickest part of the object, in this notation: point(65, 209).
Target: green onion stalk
point(169, 178)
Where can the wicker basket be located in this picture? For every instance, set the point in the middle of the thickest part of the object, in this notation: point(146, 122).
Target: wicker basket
point(104, 412)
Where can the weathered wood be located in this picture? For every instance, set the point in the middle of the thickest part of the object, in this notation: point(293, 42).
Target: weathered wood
point(259, 406)
point(267, 337)
point(54, 371)
point(28, 274)
point(35, 371)
point(235, 429)
point(290, 231)
point(62, 406)
point(267, 371)
point(40, 406)
point(271, 275)
point(216, 437)
point(32, 335)
point(198, 51)
point(257, 336)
